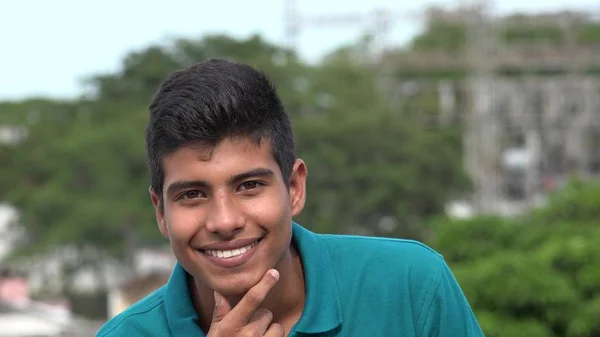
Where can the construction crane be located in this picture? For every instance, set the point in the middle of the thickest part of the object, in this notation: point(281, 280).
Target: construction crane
point(382, 19)
point(380, 22)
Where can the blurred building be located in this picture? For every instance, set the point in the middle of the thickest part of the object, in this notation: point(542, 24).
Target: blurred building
point(21, 316)
point(523, 87)
point(12, 135)
point(8, 234)
point(526, 91)
point(122, 296)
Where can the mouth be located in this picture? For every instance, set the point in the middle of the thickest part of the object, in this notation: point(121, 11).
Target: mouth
point(234, 257)
point(227, 254)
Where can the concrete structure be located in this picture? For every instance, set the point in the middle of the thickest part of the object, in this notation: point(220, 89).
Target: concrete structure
point(153, 268)
point(123, 296)
point(21, 316)
point(525, 130)
point(41, 320)
point(525, 113)
point(8, 234)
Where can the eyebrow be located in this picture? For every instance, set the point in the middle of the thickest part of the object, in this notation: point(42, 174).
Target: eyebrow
point(255, 173)
point(185, 184)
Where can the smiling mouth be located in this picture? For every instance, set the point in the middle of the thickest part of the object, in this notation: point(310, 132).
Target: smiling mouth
point(226, 254)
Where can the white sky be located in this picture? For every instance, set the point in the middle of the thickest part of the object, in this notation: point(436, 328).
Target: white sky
point(47, 47)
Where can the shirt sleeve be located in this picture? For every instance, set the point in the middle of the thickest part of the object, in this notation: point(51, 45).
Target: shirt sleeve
point(449, 313)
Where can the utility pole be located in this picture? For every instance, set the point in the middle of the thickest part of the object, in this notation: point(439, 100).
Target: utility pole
point(291, 24)
point(482, 130)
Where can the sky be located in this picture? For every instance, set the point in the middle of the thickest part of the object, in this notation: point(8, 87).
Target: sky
point(48, 47)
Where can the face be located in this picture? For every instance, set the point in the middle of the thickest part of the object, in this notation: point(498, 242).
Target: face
point(228, 215)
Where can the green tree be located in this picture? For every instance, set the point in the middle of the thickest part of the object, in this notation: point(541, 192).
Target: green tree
point(81, 172)
point(373, 168)
point(538, 275)
point(82, 179)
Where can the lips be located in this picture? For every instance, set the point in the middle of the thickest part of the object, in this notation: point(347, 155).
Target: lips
point(231, 254)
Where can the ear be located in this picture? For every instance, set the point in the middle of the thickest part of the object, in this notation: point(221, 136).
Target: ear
point(160, 214)
point(298, 187)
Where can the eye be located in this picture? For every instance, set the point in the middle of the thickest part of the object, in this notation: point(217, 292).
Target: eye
point(193, 194)
point(250, 185)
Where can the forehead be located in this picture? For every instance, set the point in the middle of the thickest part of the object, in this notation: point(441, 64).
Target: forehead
point(228, 157)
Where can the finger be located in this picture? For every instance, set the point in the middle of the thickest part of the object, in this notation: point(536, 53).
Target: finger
point(260, 321)
point(245, 309)
point(222, 308)
point(275, 330)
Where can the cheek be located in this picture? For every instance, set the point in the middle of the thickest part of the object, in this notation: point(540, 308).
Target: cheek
point(271, 210)
point(182, 223)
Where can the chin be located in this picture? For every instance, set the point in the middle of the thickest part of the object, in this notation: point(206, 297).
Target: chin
point(238, 284)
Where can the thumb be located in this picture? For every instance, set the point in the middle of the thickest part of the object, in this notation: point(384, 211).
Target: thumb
point(222, 308)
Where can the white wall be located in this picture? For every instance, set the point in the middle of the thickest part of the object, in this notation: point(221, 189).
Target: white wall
point(7, 237)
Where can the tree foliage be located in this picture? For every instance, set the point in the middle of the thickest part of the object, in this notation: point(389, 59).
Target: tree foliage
point(538, 275)
point(82, 172)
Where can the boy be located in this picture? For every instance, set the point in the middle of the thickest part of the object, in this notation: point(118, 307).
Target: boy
point(225, 187)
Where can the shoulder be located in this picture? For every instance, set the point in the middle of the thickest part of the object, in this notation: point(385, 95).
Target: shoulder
point(140, 318)
point(403, 276)
point(399, 255)
point(400, 268)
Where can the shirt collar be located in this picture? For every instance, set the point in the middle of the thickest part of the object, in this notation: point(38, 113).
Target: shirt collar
point(179, 309)
point(321, 313)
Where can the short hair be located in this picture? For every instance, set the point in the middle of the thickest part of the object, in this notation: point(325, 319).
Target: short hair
point(212, 100)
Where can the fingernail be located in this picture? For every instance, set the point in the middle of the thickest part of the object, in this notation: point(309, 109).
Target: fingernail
point(274, 273)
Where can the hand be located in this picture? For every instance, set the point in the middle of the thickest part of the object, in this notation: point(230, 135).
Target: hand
point(246, 318)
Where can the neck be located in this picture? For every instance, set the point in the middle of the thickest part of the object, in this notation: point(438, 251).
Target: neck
point(285, 300)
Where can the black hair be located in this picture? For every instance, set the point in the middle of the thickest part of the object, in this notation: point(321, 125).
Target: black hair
point(212, 100)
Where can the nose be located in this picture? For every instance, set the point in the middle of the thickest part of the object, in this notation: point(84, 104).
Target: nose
point(225, 218)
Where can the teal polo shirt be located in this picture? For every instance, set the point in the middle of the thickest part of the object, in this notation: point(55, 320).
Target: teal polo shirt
point(355, 286)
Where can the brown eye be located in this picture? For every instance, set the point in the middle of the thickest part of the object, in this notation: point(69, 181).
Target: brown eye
point(191, 194)
point(250, 185)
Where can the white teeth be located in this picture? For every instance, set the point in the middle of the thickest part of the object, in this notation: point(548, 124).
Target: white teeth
point(230, 253)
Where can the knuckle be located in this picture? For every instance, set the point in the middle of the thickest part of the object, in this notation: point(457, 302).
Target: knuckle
point(265, 313)
point(252, 333)
point(269, 315)
point(279, 330)
point(224, 330)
